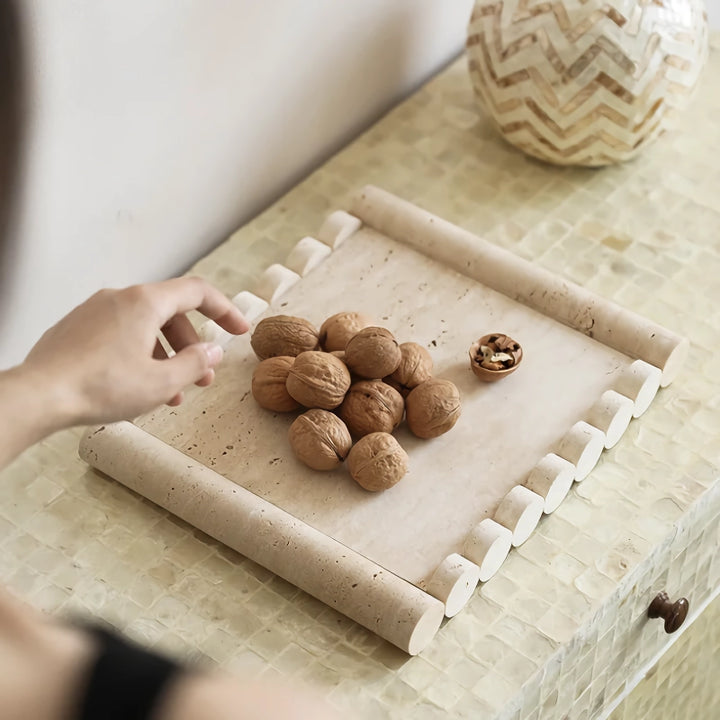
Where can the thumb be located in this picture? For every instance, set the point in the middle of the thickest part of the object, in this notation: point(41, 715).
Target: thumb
point(191, 364)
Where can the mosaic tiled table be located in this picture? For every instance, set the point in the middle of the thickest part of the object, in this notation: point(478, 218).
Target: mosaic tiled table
point(561, 630)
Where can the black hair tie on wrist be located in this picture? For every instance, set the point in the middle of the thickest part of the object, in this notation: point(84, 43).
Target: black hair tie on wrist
point(125, 681)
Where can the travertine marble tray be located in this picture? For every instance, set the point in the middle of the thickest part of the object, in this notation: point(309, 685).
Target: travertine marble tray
point(398, 561)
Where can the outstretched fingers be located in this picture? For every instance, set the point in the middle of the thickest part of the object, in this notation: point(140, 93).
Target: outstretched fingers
point(191, 364)
point(181, 295)
point(179, 332)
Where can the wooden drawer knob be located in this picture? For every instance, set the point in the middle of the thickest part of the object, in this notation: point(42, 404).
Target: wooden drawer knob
point(674, 613)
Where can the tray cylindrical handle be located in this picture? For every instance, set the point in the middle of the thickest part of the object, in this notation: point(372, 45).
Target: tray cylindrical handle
point(344, 579)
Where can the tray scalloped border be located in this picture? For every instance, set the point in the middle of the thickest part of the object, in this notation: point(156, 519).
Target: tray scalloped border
point(489, 542)
point(659, 356)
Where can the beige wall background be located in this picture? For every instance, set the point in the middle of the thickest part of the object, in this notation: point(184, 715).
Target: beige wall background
point(156, 128)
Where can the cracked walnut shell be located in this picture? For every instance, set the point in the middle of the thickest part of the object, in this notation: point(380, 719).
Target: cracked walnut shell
point(269, 384)
point(283, 335)
point(495, 356)
point(320, 439)
point(372, 406)
point(377, 462)
point(318, 380)
point(415, 367)
point(432, 408)
point(373, 353)
point(337, 330)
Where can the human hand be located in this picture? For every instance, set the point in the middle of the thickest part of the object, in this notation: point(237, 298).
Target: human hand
point(103, 362)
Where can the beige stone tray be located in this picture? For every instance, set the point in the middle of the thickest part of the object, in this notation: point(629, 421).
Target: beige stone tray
point(398, 561)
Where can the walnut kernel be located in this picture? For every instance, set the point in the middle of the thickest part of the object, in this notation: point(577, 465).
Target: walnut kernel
point(495, 356)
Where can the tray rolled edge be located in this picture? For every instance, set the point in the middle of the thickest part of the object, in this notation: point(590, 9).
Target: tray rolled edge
point(517, 278)
point(384, 603)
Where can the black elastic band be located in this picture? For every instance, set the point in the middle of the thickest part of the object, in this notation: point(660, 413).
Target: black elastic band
point(125, 681)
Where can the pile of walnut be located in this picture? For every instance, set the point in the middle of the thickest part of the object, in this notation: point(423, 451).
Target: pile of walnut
point(360, 372)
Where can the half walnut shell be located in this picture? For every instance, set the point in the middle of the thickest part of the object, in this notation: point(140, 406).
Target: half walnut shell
point(495, 356)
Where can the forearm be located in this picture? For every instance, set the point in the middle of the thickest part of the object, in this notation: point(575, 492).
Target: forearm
point(47, 667)
point(31, 407)
point(103, 361)
point(219, 697)
point(44, 663)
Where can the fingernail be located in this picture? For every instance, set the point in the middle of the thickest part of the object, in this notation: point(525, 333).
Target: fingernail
point(214, 353)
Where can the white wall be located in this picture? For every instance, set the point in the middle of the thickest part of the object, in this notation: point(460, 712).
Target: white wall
point(713, 7)
point(159, 126)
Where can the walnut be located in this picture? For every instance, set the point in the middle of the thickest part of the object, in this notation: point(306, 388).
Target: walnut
point(268, 384)
point(373, 353)
point(495, 356)
point(318, 380)
point(338, 329)
point(372, 406)
point(283, 335)
point(432, 408)
point(377, 462)
point(320, 439)
point(415, 367)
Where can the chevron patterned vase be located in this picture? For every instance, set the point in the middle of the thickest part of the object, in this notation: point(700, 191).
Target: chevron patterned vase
point(585, 82)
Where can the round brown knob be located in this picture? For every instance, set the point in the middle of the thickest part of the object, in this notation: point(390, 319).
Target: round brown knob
point(674, 613)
